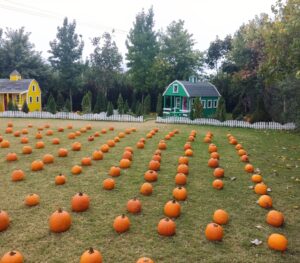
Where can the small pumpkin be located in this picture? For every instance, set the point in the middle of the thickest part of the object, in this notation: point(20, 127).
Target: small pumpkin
point(117, 139)
point(154, 165)
point(167, 137)
point(127, 155)
point(76, 169)
point(48, 158)
point(189, 152)
point(70, 126)
point(134, 206)
point(183, 160)
point(11, 157)
point(275, 218)
point(97, 134)
point(218, 184)
point(145, 260)
point(4, 221)
point(261, 189)
point(233, 141)
point(38, 136)
point(156, 157)
point(13, 256)
point(207, 139)
point(24, 140)
point(121, 135)
point(162, 145)
point(78, 133)
point(129, 149)
point(49, 132)
point(140, 145)
point(180, 179)
point(60, 179)
point(62, 152)
point(91, 256)
point(47, 126)
point(242, 152)
point(114, 171)
point(40, 145)
point(121, 224)
point(277, 242)
point(104, 148)
point(5, 144)
point(111, 128)
point(220, 217)
point(244, 158)
point(238, 147)
point(256, 178)
point(111, 143)
point(17, 175)
point(32, 200)
point(86, 161)
point(182, 168)
point(71, 135)
point(83, 130)
point(249, 168)
point(88, 127)
point(219, 172)
point(150, 176)
point(214, 232)
point(60, 129)
point(55, 141)
point(37, 165)
point(157, 151)
point(10, 124)
point(8, 130)
point(146, 189)
point(97, 155)
point(60, 221)
point(187, 146)
point(180, 193)
point(125, 163)
point(27, 149)
point(166, 227)
point(213, 163)
point(172, 209)
point(76, 146)
point(108, 184)
point(212, 148)
point(80, 202)
point(265, 201)
point(215, 155)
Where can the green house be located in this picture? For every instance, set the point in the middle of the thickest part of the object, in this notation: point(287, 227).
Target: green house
point(180, 95)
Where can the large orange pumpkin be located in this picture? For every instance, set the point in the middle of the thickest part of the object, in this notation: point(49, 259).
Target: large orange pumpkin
point(154, 165)
point(121, 224)
point(212, 148)
point(256, 178)
point(166, 227)
point(76, 169)
point(17, 175)
point(214, 232)
point(37, 165)
point(180, 193)
point(172, 209)
point(108, 184)
point(12, 257)
point(80, 202)
point(114, 171)
point(134, 205)
point(60, 179)
point(104, 148)
point(150, 176)
point(275, 218)
point(219, 172)
point(180, 179)
point(261, 189)
point(162, 145)
point(213, 163)
point(48, 158)
point(218, 184)
point(5, 144)
point(277, 242)
point(125, 163)
point(97, 155)
point(27, 149)
point(182, 168)
point(220, 217)
point(91, 256)
point(76, 146)
point(60, 221)
point(265, 201)
point(32, 200)
point(183, 160)
point(146, 189)
point(11, 157)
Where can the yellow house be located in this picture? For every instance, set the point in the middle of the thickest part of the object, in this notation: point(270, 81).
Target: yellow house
point(18, 91)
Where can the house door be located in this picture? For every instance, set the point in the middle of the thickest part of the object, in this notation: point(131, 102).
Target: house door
point(177, 103)
point(184, 103)
point(5, 102)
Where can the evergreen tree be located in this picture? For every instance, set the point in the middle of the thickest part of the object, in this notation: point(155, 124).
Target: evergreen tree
point(120, 104)
point(67, 107)
point(60, 101)
point(260, 113)
point(51, 105)
point(25, 107)
point(16, 108)
point(126, 107)
point(147, 104)
point(10, 106)
point(86, 103)
point(197, 109)
point(139, 109)
point(221, 110)
point(100, 105)
point(159, 110)
point(110, 109)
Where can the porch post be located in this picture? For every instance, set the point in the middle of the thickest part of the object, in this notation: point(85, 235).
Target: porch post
point(164, 106)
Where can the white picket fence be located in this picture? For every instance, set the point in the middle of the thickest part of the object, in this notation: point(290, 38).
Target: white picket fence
point(71, 116)
point(229, 123)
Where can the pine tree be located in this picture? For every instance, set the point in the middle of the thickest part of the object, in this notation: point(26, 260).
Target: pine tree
point(67, 107)
point(60, 101)
point(260, 113)
point(120, 104)
point(10, 106)
point(147, 104)
point(100, 105)
point(126, 107)
point(51, 105)
point(221, 110)
point(197, 109)
point(86, 103)
point(16, 108)
point(159, 105)
point(25, 107)
point(110, 109)
point(139, 109)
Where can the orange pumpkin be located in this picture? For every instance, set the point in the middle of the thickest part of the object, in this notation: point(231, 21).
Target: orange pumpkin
point(261, 189)
point(12, 257)
point(212, 148)
point(91, 256)
point(32, 200)
point(157, 152)
point(154, 165)
point(162, 145)
point(188, 152)
point(140, 145)
point(91, 138)
point(219, 172)
point(121, 224)
point(60, 179)
point(47, 125)
point(76, 169)
point(121, 135)
point(275, 218)
point(166, 227)
point(11, 157)
point(180, 193)
point(111, 128)
point(213, 163)
point(86, 161)
point(17, 175)
point(265, 201)
point(80, 202)
point(76, 146)
point(238, 147)
point(108, 184)
point(104, 148)
point(125, 163)
point(8, 130)
point(69, 126)
point(150, 176)
point(156, 157)
point(71, 135)
point(83, 130)
point(27, 149)
point(215, 155)
point(127, 155)
point(277, 242)
point(221, 217)
point(24, 140)
point(48, 158)
point(146, 189)
point(214, 232)
point(40, 145)
point(180, 179)
point(256, 178)
point(78, 133)
point(117, 139)
point(111, 143)
point(129, 149)
point(182, 168)
point(4, 221)
point(207, 139)
point(60, 129)
point(37, 165)
point(55, 141)
point(172, 209)
point(145, 260)
point(49, 132)
point(88, 127)
point(60, 221)
point(183, 160)
point(5, 144)
point(62, 152)
point(10, 124)
point(218, 184)
point(114, 171)
point(187, 146)
point(96, 134)
point(38, 136)
point(233, 141)
point(249, 168)
point(167, 137)
point(244, 158)
point(134, 206)
point(242, 152)
point(97, 155)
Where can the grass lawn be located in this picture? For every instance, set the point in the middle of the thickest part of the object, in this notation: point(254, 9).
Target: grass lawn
point(275, 153)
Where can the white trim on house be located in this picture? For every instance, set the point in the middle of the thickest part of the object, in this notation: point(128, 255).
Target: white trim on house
point(209, 104)
point(180, 84)
point(215, 103)
point(203, 102)
point(175, 86)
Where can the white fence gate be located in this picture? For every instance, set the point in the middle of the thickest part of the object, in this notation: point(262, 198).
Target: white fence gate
point(229, 123)
point(71, 116)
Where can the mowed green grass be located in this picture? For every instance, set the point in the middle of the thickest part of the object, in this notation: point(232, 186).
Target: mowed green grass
point(276, 153)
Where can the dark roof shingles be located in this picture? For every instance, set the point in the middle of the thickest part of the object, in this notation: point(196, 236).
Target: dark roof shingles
point(7, 86)
point(200, 89)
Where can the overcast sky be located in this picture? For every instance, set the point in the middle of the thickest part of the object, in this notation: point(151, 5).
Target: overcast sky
point(203, 18)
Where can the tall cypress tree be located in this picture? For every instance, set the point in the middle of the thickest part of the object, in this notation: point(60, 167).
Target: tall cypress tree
point(159, 110)
point(110, 109)
point(51, 105)
point(25, 107)
point(221, 110)
point(147, 104)
point(120, 103)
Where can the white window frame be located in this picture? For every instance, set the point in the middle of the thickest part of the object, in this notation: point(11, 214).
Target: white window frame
point(203, 102)
point(215, 103)
point(177, 88)
point(30, 99)
point(209, 104)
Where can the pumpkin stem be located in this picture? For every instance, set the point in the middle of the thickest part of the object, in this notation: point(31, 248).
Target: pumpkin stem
point(123, 215)
point(91, 250)
point(59, 210)
point(80, 194)
point(167, 219)
point(12, 253)
point(173, 201)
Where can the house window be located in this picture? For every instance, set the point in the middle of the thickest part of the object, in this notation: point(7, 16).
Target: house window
point(37, 99)
point(175, 88)
point(33, 88)
point(168, 102)
point(18, 99)
point(209, 104)
point(30, 99)
point(215, 103)
point(203, 102)
point(177, 102)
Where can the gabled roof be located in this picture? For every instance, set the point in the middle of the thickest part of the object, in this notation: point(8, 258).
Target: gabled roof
point(15, 72)
point(200, 89)
point(7, 86)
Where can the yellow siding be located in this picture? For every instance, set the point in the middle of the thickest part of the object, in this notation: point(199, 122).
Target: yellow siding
point(1, 102)
point(14, 77)
point(34, 97)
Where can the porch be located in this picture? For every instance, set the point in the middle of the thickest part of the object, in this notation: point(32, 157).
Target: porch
point(176, 106)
